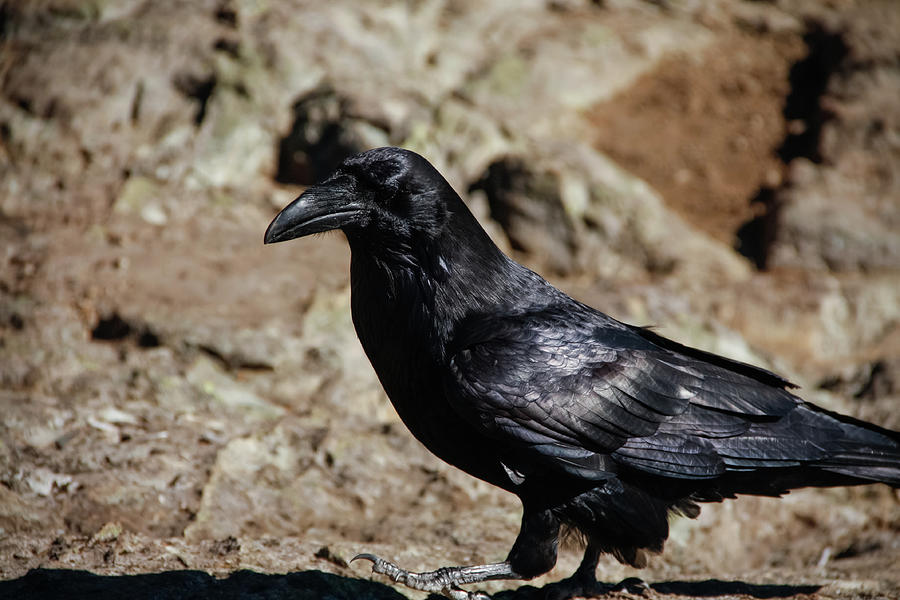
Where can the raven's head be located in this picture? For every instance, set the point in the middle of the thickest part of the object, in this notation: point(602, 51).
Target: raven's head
point(382, 191)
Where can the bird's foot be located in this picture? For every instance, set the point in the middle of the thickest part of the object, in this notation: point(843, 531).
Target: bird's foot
point(632, 585)
point(446, 581)
point(582, 584)
point(570, 588)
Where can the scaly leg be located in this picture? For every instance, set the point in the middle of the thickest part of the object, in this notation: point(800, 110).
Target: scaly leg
point(533, 553)
point(586, 572)
point(582, 583)
point(444, 581)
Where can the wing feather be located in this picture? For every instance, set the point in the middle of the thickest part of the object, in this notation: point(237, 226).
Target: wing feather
point(587, 395)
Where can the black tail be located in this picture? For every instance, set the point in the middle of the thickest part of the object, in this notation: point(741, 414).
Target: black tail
point(865, 453)
point(808, 447)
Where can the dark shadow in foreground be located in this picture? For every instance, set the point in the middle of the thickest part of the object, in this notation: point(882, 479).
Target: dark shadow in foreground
point(310, 585)
point(714, 587)
point(710, 588)
point(193, 585)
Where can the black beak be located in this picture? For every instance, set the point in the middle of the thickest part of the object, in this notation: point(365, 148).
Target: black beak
point(323, 207)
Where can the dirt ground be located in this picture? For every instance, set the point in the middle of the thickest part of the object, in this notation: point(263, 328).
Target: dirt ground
point(715, 120)
point(187, 413)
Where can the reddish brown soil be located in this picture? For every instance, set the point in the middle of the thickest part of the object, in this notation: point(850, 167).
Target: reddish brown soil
point(703, 130)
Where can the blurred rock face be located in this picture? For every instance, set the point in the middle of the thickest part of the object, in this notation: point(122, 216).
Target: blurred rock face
point(725, 170)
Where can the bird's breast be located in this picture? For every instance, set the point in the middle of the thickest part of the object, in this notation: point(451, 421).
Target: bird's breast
point(398, 336)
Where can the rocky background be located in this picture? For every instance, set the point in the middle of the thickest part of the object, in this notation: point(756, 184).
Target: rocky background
point(178, 400)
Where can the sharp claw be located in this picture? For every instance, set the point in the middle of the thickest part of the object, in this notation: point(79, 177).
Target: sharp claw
point(365, 556)
point(383, 567)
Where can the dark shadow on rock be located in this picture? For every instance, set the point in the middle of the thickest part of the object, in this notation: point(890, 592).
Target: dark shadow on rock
point(528, 206)
point(806, 115)
point(193, 585)
point(313, 585)
point(710, 588)
point(320, 139)
point(754, 239)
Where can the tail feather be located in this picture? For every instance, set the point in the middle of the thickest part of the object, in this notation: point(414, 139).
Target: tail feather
point(865, 452)
point(869, 474)
point(865, 466)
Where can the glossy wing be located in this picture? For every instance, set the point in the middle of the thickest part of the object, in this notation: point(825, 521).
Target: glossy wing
point(584, 394)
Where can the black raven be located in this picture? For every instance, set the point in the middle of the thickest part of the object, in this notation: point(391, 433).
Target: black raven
point(594, 424)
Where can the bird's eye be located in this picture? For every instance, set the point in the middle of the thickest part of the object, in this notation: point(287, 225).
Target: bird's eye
point(379, 183)
point(386, 191)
